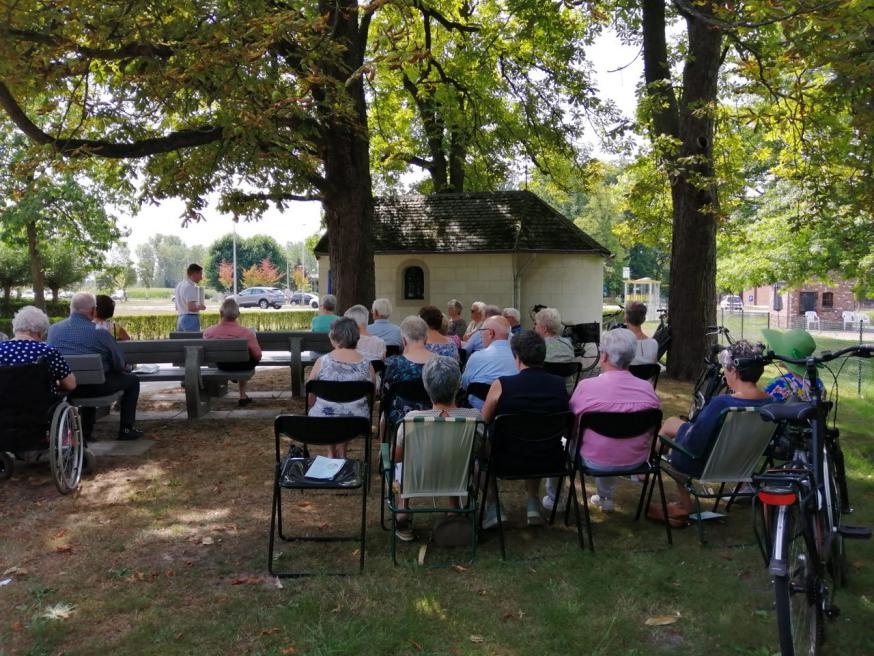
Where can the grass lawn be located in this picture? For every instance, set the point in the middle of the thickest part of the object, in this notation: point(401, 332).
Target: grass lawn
point(165, 554)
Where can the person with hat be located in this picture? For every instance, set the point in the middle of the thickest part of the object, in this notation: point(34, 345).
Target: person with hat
point(791, 385)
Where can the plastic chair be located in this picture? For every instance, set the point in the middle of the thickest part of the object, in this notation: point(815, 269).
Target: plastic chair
point(437, 462)
point(647, 372)
point(622, 426)
point(739, 445)
point(526, 446)
point(290, 474)
point(811, 319)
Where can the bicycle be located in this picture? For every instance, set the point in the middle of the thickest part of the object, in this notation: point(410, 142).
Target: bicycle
point(802, 502)
point(710, 381)
point(662, 334)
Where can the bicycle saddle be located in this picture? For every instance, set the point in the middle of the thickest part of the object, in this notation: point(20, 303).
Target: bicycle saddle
point(794, 412)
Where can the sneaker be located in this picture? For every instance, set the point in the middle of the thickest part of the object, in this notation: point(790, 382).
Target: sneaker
point(404, 533)
point(244, 402)
point(606, 505)
point(547, 502)
point(126, 434)
point(490, 520)
point(534, 513)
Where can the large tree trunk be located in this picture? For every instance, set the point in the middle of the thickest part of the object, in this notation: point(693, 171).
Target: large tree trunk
point(37, 274)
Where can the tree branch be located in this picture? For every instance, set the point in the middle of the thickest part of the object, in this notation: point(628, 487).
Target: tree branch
point(125, 51)
point(242, 197)
point(687, 8)
point(443, 20)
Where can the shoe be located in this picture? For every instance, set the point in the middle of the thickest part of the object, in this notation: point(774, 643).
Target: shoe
point(244, 402)
point(490, 520)
point(126, 434)
point(606, 505)
point(404, 533)
point(534, 513)
point(547, 502)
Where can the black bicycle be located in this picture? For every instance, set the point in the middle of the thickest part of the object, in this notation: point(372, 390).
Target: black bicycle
point(799, 528)
point(662, 334)
point(711, 380)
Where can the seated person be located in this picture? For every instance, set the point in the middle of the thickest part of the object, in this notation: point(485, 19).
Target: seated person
point(407, 366)
point(476, 319)
point(441, 377)
point(78, 335)
point(435, 340)
point(614, 390)
point(513, 317)
point(699, 436)
point(103, 314)
point(228, 328)
point(30, 326)
point(547, 324)
point(792, 385)
point(647, 347)
point(475, 342)
point(530, 391)
point(323, 320)
point(344, 363)
point(381, 326)
point(370, 346)
point(494, 361)
point(457, 325)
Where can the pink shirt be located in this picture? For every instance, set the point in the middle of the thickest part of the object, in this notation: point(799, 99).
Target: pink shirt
point(614, 391)
point(232, 330)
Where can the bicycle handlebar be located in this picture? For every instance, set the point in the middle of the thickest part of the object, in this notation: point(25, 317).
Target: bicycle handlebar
point(860, 351)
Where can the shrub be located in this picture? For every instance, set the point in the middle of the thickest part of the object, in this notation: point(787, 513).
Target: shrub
point(159, 326)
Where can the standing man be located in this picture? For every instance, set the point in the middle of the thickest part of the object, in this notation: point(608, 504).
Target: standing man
point(381, 326)
point(188, 300)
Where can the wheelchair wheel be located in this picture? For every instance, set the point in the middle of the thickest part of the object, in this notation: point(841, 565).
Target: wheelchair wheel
point(66, 448)
point(7, 465)
point(89, 462)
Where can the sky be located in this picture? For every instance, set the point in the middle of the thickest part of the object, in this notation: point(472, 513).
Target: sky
point(617, 67)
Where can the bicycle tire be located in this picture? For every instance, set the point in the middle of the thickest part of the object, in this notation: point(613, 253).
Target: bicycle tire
point(589, 356)
point(797, 591)
point(836, 558)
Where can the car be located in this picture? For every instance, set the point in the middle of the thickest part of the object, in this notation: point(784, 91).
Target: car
point(263, 297)
point(119, 295)
point(731, 303)
point(305, 298)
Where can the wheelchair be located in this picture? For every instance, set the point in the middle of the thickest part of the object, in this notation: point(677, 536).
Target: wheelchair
point(35, 425)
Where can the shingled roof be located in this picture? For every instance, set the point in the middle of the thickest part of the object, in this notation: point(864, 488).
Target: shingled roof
point(482, 222)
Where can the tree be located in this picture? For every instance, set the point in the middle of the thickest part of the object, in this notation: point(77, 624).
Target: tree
point(301, 281)
point(226, 275)
point(14, 269)
point(250, 251)
point(263, 274)
point(63, 266)
point(146, 265)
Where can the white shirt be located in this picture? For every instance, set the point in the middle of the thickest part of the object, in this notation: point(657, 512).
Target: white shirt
point(186, 292)
point(647, 351)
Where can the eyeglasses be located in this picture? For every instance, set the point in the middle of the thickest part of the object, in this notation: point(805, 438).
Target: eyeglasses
point(491, 330)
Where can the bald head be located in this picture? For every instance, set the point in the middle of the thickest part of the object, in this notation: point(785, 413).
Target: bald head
point(499, 326)
point(82, 303)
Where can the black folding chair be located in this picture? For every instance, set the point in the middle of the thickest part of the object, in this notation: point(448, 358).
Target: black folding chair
point(565, 370)
point(622, 426)
point(290, 474)
point(479, 390)
point(648, 372)
point(525, 446)
point(393, 349)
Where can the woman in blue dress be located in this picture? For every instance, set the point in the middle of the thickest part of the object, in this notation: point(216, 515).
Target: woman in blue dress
point(436, 341)
point(407, 366)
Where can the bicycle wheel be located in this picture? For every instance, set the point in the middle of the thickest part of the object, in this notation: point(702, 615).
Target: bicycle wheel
point(589, 356)
point(796, 586)
point(836, 558)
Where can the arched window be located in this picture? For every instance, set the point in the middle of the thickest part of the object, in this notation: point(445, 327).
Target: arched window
point(828, 299)
point(414, 283)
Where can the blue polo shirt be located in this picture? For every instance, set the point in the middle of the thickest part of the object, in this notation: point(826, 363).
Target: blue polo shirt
point(78, 335)
point(488, 365)
point(387, 331)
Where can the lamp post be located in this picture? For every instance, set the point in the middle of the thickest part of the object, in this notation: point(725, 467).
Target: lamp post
point(235, 256)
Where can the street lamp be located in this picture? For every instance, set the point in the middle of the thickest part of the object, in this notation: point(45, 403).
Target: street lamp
point(235, 256)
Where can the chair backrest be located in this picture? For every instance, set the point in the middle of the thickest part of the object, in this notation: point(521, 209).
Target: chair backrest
point(564, 369)
point(530, 446)
point(479, 390)
point(437, 456)
point(811, 315)
point(622, 425)
point(848, 315)
point(393, 349)
point(378, 366)
point(341, 391)
point(88, 368)
point(320, 430)
point(648, 372)
point(743, 437)
point(412, 390)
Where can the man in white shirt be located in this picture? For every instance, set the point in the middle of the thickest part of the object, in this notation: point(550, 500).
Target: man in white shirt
point(189, 302)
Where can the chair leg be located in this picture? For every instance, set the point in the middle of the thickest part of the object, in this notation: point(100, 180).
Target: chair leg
point(271, 540)
point(571, 487)
point(700, 523)
point(646, 482)
point(718, 499)
point(364, 491)
point(664, 506)
point(500, 520)
point(555, 501)
point(586, 513)
point(572, 497)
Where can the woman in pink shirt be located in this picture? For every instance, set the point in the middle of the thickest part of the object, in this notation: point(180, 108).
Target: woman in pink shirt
point(228, 328)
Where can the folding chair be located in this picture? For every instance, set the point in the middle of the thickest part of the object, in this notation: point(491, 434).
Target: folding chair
point(647, 372)
point(290, 474)
point(479, 390)
point(741, 439)
point(564, 369)
point(438, 462)
point(393, 349)
point(525, 446)
point(622, 426)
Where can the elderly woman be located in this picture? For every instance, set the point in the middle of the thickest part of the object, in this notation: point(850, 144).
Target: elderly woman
point(30, 326)
point(698, 435)
point(228, 328)
point(547, 324)
point(103, 314)
point(407, 366)
point(323, 320)
point(647, 347)
point(457, 325)
point(370, 346)
point(435, 340)
point(477, 316)
point(344, 363)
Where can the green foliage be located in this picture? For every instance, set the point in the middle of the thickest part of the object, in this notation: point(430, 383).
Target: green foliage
point(159, 326)
point(251, 251)
point(63, 266)
point(163, 259)
point(14, 268)
point(262, 274)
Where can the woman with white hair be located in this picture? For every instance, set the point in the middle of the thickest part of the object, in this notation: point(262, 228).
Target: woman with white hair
point(547, 324)
point(228, 328)
point(370, 346)
point(407, 366)
point(30, 326)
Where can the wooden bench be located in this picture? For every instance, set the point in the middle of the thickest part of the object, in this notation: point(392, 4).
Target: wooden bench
point(88, 370)
point(191, 361)
point(296, 349)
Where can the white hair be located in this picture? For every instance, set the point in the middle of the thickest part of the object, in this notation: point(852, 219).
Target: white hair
point(329, 302)
point(414, 329)
point(382, 307)
point(82, 302)
point(359, 314)
point(229, 309)
point(30, 319)
point(511, 312)
point(620, 347)
point(550, 319)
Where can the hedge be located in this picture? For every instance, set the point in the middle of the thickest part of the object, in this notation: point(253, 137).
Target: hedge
point(159, 326)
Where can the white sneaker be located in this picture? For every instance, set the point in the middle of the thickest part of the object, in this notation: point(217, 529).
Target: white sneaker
point(547, 502)
point(534, 513)
point(606, 505)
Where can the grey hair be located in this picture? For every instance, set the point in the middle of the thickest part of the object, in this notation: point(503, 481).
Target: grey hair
point(30, 319)
point(511, 312)
point(82, 302)
point(620, 347)
point(491, 311)
point(344, 333)
point(550, 319)
point(229, 309)
point(479, 305)
point(414, 329)
point(455, 304)
point(441, 376)
point(358, 314)
point(382, 306)
point(329, 302)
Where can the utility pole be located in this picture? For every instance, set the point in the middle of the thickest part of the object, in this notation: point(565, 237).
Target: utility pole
point(235, 256)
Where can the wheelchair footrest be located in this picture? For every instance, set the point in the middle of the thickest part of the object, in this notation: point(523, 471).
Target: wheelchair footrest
point(854, 532)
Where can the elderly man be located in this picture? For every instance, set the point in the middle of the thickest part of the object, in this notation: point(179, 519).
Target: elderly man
point(492, 362)
point(531, 391)
point(189, 300)
point(513, 317)
point(475, 343)
point(381, 326)
point(547, 324)
point(615, 390)
point(476, 319)
point(321, 323)
point(79, 336)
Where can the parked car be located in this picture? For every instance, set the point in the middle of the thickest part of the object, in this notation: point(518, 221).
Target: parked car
point(263, 297)
point(119, 295)
point(731, 303)
point(305, 298)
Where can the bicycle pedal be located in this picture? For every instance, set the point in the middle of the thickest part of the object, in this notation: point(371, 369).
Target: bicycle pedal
point(854, 532)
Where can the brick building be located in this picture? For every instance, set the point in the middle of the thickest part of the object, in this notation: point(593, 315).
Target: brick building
point(828, 299)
